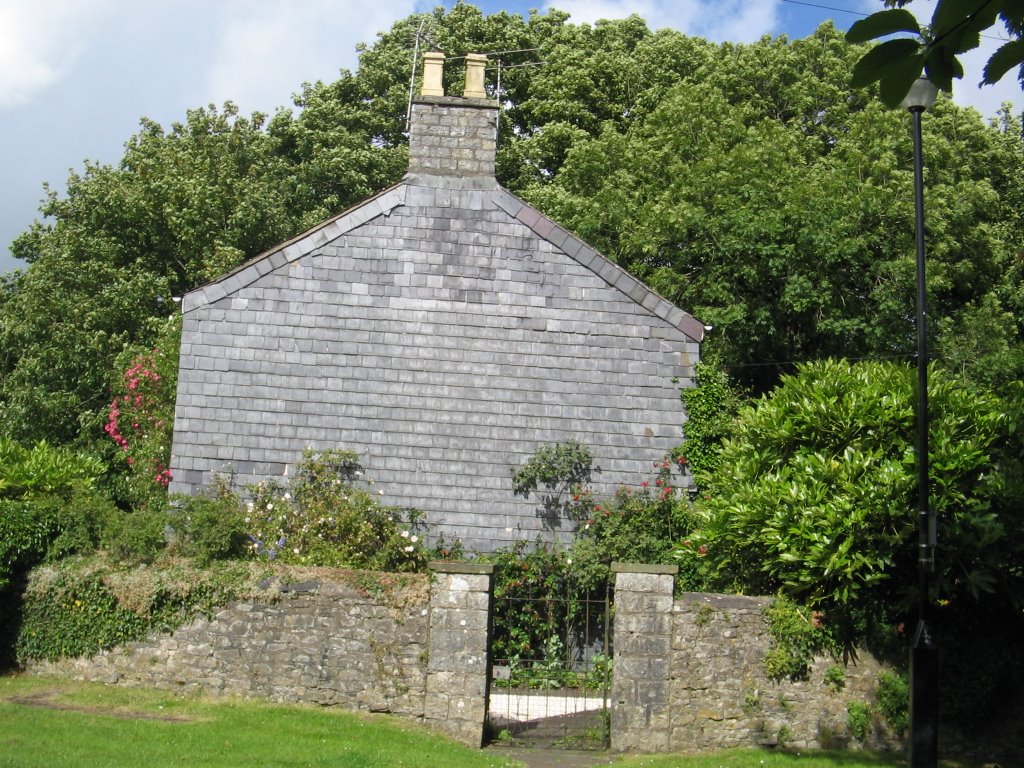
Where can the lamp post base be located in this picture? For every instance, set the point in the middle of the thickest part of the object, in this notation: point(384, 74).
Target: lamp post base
point(924, 698)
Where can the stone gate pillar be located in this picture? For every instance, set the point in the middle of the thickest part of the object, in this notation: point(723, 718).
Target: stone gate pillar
point(458, 667)
point(643, 657)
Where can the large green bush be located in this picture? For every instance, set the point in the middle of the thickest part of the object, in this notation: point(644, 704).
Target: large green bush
point(48, 505)
point(815, 499)
point(815, 495)
point(636, 525)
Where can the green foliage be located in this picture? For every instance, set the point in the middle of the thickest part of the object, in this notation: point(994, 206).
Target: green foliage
point(48, 506)
point(796, 640)
point(816, 495)
point(955, 29)
point(42, 529)
point(43, 469)
point(778, 207)
point(532, 595)
point(636, 525)
point(136, 537)
point(140, 418)
point(77, 618)
point(711, 406)
point(893, 700)
point(835, 678)
point(563, 470)
point(858, 720)
point(326, 517)
point(79, 607)
point(211, 526)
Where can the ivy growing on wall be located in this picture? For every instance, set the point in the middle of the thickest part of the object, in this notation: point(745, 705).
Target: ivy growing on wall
point(85, 605)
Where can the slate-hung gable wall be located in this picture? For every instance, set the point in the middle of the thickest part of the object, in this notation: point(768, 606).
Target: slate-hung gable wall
point(444, 330)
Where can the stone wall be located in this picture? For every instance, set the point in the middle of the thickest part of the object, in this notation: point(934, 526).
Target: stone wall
point(324, 642)
point(722, 697)
point(689, 676)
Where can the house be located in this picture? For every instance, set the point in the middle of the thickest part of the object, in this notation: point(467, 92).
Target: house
point(444, 330)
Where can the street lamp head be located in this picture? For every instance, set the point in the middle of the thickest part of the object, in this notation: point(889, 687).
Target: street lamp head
point(921, 95)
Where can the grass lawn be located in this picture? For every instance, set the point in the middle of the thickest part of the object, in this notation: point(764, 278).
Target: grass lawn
point(747, 758)
point(50, 723)
point(60, 724)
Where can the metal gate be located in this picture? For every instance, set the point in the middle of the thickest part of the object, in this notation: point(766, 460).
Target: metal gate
point(551, 664)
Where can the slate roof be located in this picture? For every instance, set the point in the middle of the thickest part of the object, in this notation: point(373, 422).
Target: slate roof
point(498, 198)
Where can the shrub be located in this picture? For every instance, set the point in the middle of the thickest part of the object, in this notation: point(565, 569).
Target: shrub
point(42, 526)
point(858, 720)
point(326, 517)
point(81, 606)
point(136, 537)
point(43, 469)
point(710, 410)
point(796, 640)
point(140, 417)
point(44, 518)
point(211, 526)
point(893, 700)
point(816, 495)
point(563, 470)
point(638, 525)
point(532, 599)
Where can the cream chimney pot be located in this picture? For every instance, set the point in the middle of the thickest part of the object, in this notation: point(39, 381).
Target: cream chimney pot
point(475, 76)
point(433, 69)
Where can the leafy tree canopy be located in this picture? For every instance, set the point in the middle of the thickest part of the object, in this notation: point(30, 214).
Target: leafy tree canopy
point(747, 183)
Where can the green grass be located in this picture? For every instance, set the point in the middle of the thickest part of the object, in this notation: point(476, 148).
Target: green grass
point(63, 724)
point(89, 725)
point(751, 758)
point(770, 758)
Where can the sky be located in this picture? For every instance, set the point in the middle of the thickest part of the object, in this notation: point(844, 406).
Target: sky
point(77, 75)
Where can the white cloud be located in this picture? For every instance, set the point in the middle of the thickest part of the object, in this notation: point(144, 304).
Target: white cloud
point(39, 43)
point(267, 48)
point(718, 20)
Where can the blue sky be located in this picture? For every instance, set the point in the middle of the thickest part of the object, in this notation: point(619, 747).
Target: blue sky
point(76, 75)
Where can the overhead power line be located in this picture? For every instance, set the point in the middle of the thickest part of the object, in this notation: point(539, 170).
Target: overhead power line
point(862, 14)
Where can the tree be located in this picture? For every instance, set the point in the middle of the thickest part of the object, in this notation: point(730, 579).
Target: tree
point(747, 183)
point(955, 28)
point(182, 207)
point(786, 220)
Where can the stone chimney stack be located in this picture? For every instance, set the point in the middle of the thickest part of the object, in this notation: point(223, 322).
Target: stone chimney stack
point(453, 136)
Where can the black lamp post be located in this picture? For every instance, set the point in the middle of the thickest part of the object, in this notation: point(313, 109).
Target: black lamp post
point(924, 666)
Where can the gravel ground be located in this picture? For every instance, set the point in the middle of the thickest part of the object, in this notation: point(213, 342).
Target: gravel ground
point(534, 757)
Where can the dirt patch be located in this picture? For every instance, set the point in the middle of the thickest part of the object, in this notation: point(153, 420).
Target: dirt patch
point(50, 699)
